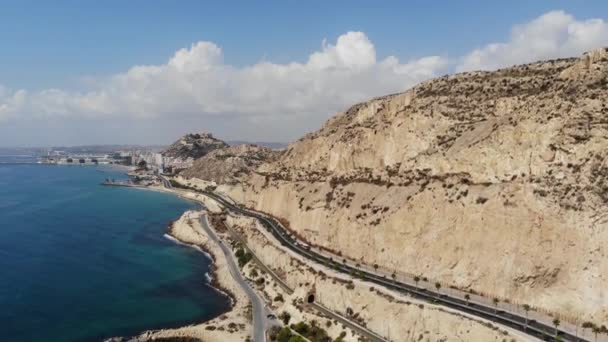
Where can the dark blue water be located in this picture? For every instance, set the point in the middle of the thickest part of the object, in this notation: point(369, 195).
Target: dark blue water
point(80, 261)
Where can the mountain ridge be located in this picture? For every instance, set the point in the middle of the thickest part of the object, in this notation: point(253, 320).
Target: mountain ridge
point(483, 167)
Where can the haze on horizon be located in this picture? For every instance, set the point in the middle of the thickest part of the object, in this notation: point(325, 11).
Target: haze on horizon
point(142, 73)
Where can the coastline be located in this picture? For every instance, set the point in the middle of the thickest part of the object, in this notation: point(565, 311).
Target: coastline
point(167, 289)
point(437, 321)
point(212, 274)
point(232, 325)
point(184, 232)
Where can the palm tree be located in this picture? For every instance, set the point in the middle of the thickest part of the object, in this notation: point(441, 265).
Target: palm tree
point(595, 330)
point(416, 280)
point(496, 301)
point(602, 329)
point(467, 298)
point(526, 309)
point(556, 324)
point(587, 325)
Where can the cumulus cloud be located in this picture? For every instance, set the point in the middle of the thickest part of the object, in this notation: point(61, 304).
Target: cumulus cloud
point(196, 81)
point(552, 35)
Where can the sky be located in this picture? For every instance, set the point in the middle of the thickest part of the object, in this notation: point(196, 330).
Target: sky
point(146, 72)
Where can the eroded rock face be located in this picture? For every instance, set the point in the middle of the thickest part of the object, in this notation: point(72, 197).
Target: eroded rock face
point(194, 146)
point(494, 181)
point(228, 165)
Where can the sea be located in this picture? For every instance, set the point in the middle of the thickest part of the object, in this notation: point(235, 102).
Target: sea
point(83, 262)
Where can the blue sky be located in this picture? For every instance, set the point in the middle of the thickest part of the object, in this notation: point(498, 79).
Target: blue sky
point(52, 43)
point(76, 46)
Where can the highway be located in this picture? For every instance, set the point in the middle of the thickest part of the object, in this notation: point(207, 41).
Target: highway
point(533, 328)
point(166, 182)
point(355, 326)
point(259, 311)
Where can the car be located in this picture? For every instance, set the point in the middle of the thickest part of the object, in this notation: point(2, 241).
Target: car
point(271, 316)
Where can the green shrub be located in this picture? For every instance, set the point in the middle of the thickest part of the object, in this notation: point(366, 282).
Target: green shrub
point(243, 257)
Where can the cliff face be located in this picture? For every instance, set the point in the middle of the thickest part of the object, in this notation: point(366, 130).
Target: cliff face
point(228, 165)
point(494, 181)
point(194, 145)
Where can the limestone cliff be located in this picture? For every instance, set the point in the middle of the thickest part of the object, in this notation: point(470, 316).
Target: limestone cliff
point(493, 181)
point(228, 165)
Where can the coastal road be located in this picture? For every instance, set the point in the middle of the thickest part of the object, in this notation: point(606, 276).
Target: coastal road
point(259, 310)
point(166, 182)
point(355, 326)
point(510, 319)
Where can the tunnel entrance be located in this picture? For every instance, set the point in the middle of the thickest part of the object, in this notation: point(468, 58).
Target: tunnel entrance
point(311, 298)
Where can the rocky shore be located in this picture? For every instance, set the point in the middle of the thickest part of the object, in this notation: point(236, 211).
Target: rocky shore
point(234, 325)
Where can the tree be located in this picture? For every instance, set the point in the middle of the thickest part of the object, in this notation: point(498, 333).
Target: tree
point(253, 273)
point(587, 325)
point(438, 287)
point(284, 335)
point(416, 280)
point(243, 257)
point(301, 328)
point(376, 267)
point(526, 309)
point(556, 324)
point(467, 298)
point(285, 317)
point(496, 301)
point(394, 276)
point(595, 330)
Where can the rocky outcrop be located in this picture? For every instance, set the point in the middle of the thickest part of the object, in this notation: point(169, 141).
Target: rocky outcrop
point(493, 181)
point(228, 165)
point(194, 146)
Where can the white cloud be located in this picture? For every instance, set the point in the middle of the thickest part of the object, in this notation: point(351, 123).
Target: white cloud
point(11, 102)
point(552, 35)
point(196, 81)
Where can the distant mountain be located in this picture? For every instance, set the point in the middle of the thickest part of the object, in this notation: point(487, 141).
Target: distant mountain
point(272, 145)
point(193, 145)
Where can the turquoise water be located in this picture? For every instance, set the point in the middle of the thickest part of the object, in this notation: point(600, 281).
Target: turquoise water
point(80, 261)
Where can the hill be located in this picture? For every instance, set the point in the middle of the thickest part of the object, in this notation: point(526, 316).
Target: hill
point(228, 165)
point(194, 145)
point(490, 181)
